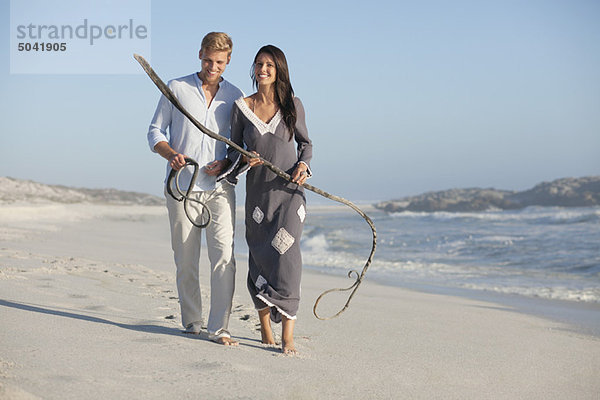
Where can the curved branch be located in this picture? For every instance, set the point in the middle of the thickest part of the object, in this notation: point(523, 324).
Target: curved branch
point(359, 277)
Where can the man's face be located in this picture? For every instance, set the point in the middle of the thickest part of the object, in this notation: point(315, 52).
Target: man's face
point(213, 65)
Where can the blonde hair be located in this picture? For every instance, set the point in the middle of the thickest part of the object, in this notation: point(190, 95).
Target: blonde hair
point(217, 41)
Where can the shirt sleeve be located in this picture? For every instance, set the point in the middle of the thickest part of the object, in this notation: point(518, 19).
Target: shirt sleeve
point(157, 132)
point(301, 136)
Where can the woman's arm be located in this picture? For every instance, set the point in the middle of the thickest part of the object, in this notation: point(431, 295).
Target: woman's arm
point(302, 170)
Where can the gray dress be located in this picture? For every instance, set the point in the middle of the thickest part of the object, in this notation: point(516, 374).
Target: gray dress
point(275, 208)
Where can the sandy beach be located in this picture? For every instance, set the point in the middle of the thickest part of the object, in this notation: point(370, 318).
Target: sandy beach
point(89, 309)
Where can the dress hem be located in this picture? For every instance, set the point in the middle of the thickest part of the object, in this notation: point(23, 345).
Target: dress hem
point(267, 302)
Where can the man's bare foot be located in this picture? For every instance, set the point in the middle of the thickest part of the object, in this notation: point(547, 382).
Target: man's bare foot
point(226, 341)
point(192, 329)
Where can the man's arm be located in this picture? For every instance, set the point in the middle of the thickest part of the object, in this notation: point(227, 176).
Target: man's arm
point(176, 160)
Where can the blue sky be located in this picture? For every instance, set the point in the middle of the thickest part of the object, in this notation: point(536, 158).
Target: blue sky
point(401, 97)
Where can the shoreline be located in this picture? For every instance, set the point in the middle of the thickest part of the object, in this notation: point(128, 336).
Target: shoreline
point(583, 316)
point(579, 314)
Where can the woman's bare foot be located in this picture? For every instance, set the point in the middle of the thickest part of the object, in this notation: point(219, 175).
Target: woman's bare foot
point(267, 338)
point(266, 332)
point(289, 349)
point(287, 337)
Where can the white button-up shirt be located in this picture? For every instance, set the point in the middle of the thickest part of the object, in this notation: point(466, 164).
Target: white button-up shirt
point(183, 136)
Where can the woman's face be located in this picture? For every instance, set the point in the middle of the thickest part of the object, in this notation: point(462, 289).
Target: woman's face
point(264, 69)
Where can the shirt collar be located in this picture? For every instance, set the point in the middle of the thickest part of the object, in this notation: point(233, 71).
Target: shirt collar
point(199, 81)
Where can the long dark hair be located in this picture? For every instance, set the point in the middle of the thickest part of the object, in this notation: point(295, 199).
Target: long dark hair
point(284, 94)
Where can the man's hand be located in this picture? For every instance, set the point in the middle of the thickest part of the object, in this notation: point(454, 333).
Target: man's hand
point(216, 167)
point(177, 161)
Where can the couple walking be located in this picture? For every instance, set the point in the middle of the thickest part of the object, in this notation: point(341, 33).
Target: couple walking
point(269, 123)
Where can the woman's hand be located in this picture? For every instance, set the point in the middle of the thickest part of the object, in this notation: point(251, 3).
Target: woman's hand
point(300, 174)
point(254, 161)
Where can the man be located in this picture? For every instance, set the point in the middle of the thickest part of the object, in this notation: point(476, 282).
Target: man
point(209, 98)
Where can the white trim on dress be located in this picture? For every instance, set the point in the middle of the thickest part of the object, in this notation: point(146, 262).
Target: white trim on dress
point(267, 302)
point(260, 125)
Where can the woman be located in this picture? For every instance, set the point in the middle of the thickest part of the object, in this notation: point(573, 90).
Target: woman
point(271, 123)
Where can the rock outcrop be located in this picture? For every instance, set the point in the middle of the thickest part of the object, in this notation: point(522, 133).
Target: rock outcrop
point(566, 192)
point(17, 190)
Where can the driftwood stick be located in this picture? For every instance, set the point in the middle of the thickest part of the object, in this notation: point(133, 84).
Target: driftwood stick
point(358, 276)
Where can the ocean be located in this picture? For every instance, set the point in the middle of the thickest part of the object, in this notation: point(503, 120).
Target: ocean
point(541, 252)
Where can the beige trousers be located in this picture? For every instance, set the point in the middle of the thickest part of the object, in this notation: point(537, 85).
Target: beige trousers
point(186, 244)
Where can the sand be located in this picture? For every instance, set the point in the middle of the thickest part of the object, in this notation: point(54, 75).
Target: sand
point(88, 309)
